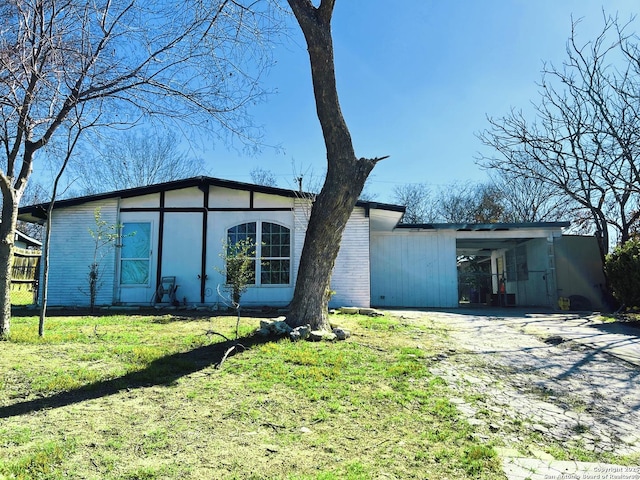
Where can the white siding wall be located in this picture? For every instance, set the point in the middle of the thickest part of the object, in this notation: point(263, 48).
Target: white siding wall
point(302, 211)
point(351, 273)
point(71, 254)
point(182, 253)
point(414, 269)
point(350, 279)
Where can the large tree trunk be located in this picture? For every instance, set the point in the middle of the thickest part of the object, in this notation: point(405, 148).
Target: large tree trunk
point(7, 240)
point(345, 179)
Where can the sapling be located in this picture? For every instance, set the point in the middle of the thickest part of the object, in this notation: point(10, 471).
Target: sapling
point(105, 237)
point(239, 271)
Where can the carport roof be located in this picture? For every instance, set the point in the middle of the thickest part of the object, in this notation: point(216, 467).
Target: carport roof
point(483, 238)
point(484, 227)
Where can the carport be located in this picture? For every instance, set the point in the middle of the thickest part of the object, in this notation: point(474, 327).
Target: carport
point(444, 264)
point(508, 264)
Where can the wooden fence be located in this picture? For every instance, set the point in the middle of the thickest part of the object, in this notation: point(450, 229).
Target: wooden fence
point(24, 276)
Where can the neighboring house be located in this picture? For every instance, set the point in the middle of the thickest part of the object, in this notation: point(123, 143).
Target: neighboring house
point(177, 229)
point(24, 241)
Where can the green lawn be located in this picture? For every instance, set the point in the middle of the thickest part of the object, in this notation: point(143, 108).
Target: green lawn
point(140, 397)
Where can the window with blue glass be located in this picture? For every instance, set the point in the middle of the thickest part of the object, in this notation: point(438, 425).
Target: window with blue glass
point(135, 253)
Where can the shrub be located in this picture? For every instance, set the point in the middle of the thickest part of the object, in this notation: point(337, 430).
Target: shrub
point(623, 271)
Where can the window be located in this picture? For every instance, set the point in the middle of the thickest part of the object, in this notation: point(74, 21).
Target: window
point(276, 247)
point(241, 233)
point(135, 253)
point(274, 250)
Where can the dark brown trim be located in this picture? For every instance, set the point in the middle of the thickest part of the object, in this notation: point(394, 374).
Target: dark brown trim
point(200, 182)
point(160, 235)
point(200, 209)
point(251, 194)
point(203, 265)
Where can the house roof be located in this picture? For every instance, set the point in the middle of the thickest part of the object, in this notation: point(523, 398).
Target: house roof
point(37, 213)
point(29, 241)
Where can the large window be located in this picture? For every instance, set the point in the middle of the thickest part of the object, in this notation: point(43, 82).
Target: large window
point(273, 250)
point(245, 232)
point(135, 253)
point(276, 252)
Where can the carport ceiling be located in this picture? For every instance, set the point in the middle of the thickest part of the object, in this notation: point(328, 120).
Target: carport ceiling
point(484, 246)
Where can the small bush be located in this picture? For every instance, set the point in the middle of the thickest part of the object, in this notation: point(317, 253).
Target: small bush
point(623, 271)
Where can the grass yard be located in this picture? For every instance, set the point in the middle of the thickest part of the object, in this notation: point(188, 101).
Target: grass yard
point(139, 397)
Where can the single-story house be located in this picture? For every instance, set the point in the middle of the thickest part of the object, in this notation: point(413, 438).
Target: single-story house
point(173, 233)
point(24, 241)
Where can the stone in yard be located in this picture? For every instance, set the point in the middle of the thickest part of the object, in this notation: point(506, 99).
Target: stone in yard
point(274, 327)
point(300, 333)
point(266, 324)
point(263, 332)
point(319, 335)
point(341, 333)
point(281, 327)
point(349, 310)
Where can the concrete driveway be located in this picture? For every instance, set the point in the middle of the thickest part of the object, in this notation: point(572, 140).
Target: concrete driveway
point(617, 339)
point(571, 379)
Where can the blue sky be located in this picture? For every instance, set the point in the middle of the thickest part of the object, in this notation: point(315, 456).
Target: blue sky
point(416, 80)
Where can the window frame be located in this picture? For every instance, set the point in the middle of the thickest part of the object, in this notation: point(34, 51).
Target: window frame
point(260, 269)
point(281, 259)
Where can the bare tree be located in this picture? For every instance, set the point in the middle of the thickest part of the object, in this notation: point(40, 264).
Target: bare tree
point(470, 203)
point(416, 197)
point(367, 194)
point(261, 176)
point(527, 199)
point(345, 179)
point(125, 60)
point(133, 158)
point(585, 139)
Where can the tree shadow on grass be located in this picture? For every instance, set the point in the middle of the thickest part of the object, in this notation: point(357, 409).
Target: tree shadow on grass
point(162, 371)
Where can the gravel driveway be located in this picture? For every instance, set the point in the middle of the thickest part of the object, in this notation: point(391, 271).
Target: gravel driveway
point(539, 392)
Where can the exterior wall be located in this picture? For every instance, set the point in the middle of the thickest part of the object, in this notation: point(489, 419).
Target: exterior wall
point(529, 284)
point(376, 265)
point(414, 269)
point(302, 211)
point(71, 254)
point(579, 268)
point(351, 274)
point(182, 253)
point(220, 197)
point(185, 197)
point(180, 222)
